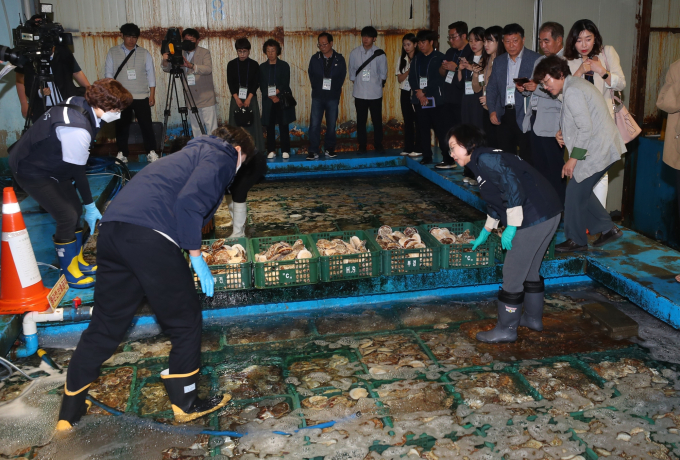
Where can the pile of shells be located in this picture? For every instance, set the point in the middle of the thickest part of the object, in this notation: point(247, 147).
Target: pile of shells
point(409, 396)
point(384, 354)
point(232, 416)
point(147, 348)
point(408, 239)
point(12, 388)
point(340, 247)
point(153, 398)
point(335, 371)
point(284, 251)
point(613, 371)
point(490, 388)
point(112, 389)
point(253, 382)
point(553, 382)
point(455, 349)
point(444, 236)
point(219, 253)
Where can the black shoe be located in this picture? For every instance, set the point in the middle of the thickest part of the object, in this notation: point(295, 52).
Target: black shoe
point(443, 165)
point(605, 237)
point(312, 156)
point(570, 246)
point(425, 162)
point(330, 153)
point(183, 394)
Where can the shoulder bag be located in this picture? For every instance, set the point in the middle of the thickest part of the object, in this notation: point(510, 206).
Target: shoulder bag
point(287, 100)
point(243, 116)
point(628, 127)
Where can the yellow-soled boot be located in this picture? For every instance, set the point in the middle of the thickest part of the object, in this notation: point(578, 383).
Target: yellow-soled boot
point(183, 393)
point(85, 268)
point(68, 261)
point(73, 406)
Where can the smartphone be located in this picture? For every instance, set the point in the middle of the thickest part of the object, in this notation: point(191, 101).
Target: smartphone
point(521, 81)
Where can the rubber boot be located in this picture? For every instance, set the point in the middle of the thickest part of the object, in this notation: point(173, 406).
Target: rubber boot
point(239, 213)
point(85, 268)
point(532, 317)
point(68, 261)
point(73, 406)
point(183, 393)
point(509, 313)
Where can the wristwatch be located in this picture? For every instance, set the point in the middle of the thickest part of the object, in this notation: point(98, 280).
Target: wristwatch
point(605, 76)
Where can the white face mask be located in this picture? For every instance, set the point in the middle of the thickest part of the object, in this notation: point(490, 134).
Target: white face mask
point(109, 117)
point(238, 162)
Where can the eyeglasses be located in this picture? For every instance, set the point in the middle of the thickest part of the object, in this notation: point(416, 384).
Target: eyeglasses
point(322, 45)
point(453, 37)
point(242, 51)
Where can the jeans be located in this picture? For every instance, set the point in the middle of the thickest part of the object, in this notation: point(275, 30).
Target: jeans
point(319, 106)
point(362, 107)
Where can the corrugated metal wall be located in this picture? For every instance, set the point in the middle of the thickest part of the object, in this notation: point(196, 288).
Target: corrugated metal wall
point(295, 23)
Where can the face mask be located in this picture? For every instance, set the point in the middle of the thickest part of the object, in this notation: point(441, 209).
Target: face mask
point(108, 117)
point(188, 45)
point(238, 162)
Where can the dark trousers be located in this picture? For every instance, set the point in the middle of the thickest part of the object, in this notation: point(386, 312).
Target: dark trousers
point(136, 262)
point(411, 132)
point(429, 119)
point(548, 158)
point(60, 199)
point(276, 117)
point(583, 210)
point(362, 107)
point(511, 138)
point(319, 107)
point(491, 131)
point(452, 117)
point(142, 112)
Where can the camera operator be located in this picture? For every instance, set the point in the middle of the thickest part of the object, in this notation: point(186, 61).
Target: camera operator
point(64, 68)
point(132, 66)
point(198, 68)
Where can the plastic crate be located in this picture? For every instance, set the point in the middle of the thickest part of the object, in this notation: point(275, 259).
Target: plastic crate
point(348, 266)
point(230, 277)
point(500, 252)
point(279, 273)
point(408, 261)
point(458, 255)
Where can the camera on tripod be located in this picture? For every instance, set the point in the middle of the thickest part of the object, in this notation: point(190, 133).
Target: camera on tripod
point(34, 40)
point(174, 45)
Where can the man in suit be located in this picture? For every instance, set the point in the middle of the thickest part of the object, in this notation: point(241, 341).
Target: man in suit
point(198, 68)
point(507, 105)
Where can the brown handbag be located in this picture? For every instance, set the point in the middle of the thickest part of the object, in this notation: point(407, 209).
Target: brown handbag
point(628, 127)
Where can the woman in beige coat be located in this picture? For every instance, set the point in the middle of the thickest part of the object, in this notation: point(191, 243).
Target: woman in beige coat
point(669, 101)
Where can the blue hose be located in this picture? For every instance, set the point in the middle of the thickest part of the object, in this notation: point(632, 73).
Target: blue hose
point(29, 347)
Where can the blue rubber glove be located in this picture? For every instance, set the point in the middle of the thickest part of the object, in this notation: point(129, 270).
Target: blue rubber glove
point(481, 239)
point(92, 215)
point(508, 235)
point(204, 275)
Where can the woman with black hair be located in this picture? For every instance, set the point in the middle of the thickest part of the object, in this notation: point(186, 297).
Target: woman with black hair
point(409, 49)
point(493, 47)
point(472, 111)
point(519, 198)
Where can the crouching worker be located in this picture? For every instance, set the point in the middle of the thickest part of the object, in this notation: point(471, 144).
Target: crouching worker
point(52, 156)
point(522, 200)
point(139, 252)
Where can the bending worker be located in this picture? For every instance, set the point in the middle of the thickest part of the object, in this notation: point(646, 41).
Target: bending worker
point(53, 154)
point(520, 198)
point(139, 251)
point(249, 175)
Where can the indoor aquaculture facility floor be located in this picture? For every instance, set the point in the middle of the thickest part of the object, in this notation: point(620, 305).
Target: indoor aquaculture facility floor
point(391, 359)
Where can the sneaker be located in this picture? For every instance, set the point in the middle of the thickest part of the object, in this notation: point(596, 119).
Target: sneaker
point(152, 156)
point(415, 154)
point(122, 157)
point(313, 156)
point(405, 153)
point(271, 155)
point(472, 182)
point(466, 180)
point(330, 153)
point(285, 155)
point(443, 165)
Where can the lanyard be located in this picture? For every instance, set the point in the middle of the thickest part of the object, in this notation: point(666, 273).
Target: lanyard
point(427, 72)
point(328, 67)
point(238, 64)
point(269, 77)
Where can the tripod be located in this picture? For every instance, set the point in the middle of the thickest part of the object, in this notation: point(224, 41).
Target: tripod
point(177, 73)
point(41, 81)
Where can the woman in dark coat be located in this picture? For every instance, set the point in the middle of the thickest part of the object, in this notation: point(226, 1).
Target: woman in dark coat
point(275, 80)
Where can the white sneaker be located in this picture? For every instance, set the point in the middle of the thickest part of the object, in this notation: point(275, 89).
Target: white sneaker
point(122, 157)
point(285, 155)
point(404, 153)
point(152, 156)
point(271, 155)
point(466, 179)
point(415, 154)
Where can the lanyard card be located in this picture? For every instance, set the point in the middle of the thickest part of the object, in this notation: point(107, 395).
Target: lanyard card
point(423, 82)
point(481, 78)
point(468, 88)
point(326, 84)
point(131, 74)
point(242, 92)
point(449, 76)
point(510, 95)
point(271, 90)
point(407, 85)
point(366, 75)
point(191, 79)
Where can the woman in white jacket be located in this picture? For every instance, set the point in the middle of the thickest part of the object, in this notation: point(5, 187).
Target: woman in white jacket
point(588, 58)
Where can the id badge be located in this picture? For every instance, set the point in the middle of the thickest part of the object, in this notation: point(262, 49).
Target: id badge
point(326, 84)
point(449, 76)
point(423, 82)
point(534, 102)
point(481, 78)
point(510, 95)
point(407, 85)
point(132, 74)
point(242, 93)
point(468, 88)
point(191, 79)
point(271, 90)
point(366, 75)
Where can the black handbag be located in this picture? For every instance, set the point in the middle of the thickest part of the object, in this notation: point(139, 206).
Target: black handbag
point(243, 116)
point(287, 100)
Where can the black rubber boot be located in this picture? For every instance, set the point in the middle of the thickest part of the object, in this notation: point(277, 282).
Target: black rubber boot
point(509, 313)
point(73, 406)
point(532, 317)
point(183, 393)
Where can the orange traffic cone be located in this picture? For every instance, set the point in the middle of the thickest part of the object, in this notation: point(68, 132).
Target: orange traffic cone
point(21, 287)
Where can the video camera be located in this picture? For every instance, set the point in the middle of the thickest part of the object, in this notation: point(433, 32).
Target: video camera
point(34, 40)
point(174, 45)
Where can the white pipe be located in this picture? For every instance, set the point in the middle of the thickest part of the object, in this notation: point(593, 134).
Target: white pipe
point(33, 317)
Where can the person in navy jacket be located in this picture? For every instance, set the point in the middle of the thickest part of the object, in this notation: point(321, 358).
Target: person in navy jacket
point(142, 235)
point(521, 199)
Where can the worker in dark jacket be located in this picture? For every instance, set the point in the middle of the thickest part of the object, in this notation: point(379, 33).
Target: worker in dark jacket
point(159, 213)
point(524, 202)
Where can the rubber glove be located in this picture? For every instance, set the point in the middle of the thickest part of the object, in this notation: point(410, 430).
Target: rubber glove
point(508, 235)
point(481, 239)
point(92, 215)
point(204, 275)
